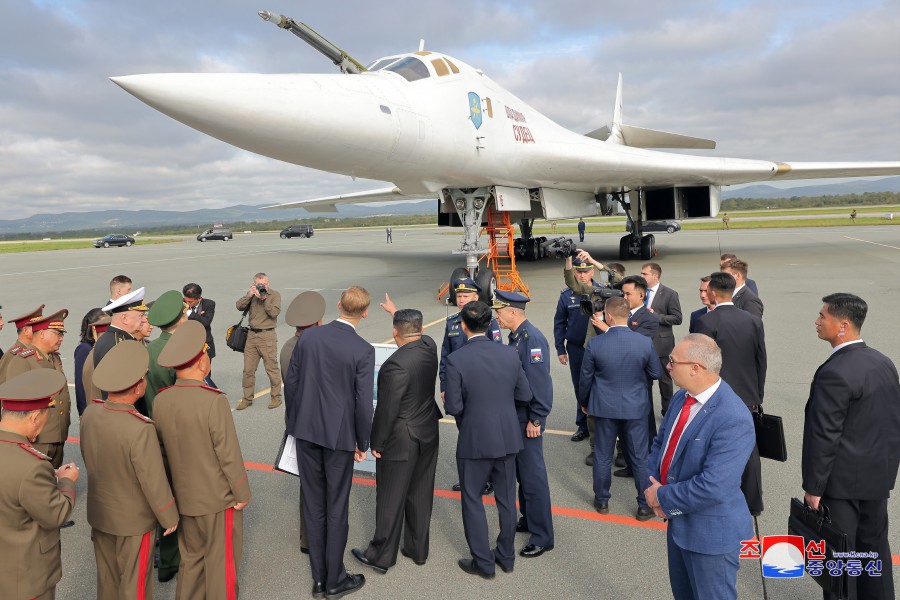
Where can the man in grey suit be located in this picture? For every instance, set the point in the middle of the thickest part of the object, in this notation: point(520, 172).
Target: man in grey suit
point(490, 436)
point(405, 446)
point(329, 412)
point(663, 302)
point(618, 369)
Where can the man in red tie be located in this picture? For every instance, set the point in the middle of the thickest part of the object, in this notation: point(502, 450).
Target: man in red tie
point(695, 468)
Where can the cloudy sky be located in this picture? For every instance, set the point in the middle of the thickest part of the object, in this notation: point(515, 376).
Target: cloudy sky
point(801, 80)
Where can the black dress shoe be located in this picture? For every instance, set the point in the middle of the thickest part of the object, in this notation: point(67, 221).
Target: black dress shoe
point(601, 507)
point(521, 527)
point(468, 565)
point(589, 459)
point(318, 590)
point(456, 487)
point(579, 435)
point(620, 461)
point(68, 523)
point(502, 567)
point(532, 551)
point(165, 576)
point(626, 472)
point(411, 557)
point(304, 550)
point(350, 584)
point(644, 514)
point(360, 555)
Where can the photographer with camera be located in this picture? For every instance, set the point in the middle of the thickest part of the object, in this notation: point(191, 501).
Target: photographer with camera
point(262, 305)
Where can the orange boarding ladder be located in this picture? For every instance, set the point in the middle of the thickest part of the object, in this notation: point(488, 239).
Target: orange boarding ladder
point(501, 257)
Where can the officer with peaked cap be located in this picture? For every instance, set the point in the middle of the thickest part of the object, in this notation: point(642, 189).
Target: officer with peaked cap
point(128, 316)
point(128, 492)
point(305, 311)
point(36, 499)
point(531, 471)
point(24, 336)
point(569, 330)
point(48, 334)
point(466, 291)
point(201, 445)
point(91, 391)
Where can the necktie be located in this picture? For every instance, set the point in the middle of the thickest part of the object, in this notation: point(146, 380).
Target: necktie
point(675, 437)
point(647, 298)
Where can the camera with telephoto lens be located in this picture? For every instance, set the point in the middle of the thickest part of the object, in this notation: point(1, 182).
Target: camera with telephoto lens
point(593, 303)
point(261, 288)
point(562, 248)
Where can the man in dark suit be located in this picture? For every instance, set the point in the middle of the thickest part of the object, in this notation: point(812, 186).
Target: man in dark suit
point(851, 439)
point(203, 310)
point(618, 369)
point(663, 302)
point(744, 298)
point(484, 404)
point(708, 305)
point(329, 413)
point(405, 446)
point(695, 471)
point(742, 340)
point(727, 257)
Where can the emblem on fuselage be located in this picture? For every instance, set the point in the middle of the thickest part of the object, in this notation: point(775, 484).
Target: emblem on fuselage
point(475, 109)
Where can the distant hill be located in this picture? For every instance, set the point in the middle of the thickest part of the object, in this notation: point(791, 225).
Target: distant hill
point(144, 219)
point(137, 220)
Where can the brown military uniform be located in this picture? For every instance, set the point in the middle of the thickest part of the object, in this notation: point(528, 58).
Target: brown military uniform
point(128, 493)
point(53, 437)
point(261, 342)
point(16, 348)
point(33, 505)
point(91, 391)
point(202, 451)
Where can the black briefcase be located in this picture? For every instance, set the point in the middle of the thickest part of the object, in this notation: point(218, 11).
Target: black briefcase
point(236, 336)
point(816, 526)
point(769, 436)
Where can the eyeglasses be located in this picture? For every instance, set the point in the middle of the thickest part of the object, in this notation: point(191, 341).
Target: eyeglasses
point(674, 362)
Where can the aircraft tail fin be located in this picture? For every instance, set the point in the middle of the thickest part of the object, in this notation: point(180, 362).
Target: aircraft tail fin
point(639, 137)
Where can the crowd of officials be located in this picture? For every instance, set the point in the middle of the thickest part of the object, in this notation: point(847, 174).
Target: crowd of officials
point(159, 442)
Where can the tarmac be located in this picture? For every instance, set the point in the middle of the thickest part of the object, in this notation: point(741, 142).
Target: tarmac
point(595, 556)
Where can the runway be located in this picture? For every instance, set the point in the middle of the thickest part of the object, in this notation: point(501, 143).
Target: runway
point(612, 556)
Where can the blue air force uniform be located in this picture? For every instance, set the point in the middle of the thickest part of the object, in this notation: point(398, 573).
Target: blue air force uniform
point(569, 332)
point(454, 338)
point(531, 472)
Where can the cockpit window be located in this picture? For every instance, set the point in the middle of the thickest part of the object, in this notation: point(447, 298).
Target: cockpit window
point(411, 68)
point(380, 64)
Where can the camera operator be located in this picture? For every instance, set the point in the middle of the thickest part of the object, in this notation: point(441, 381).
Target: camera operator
point(262, 305)
point(607, 277)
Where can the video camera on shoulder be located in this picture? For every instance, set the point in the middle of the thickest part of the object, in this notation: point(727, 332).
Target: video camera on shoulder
point(593, 303)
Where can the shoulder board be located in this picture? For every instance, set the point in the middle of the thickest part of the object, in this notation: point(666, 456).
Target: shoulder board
point(165, 388)
point(31, 450)
point(29, 353)
point(98, 401)
point(15, 349)
point(453, 316)
point(140, 416)
point(565, 290)
point(212, 389)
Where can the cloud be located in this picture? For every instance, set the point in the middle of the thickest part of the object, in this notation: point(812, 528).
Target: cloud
point(795, 81)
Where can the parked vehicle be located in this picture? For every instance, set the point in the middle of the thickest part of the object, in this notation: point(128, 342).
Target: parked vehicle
point(216, 233)
point(667, 226)
point(114, 239)
point(297, 231)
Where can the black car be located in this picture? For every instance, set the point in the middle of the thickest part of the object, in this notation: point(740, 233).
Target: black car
point(297, 231)
point(667, 226)
point(114, 239)
point(216, 233)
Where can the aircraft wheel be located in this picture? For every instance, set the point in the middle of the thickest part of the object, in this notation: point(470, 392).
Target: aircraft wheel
point(625, 247)
point(457, 273)
point(487, 281)
point(648, 245)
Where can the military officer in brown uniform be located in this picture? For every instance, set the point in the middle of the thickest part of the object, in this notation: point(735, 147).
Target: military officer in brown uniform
point(91, 391)
point(23, 339)
point(305, 311)
point(201, 446)
point(262, 305)
point(35, 499)
point(128, 493)
point(44, 354)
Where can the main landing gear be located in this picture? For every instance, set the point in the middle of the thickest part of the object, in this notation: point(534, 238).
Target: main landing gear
point(635, 244)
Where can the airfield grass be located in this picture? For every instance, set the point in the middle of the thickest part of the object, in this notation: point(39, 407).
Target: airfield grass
point(41, 246)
